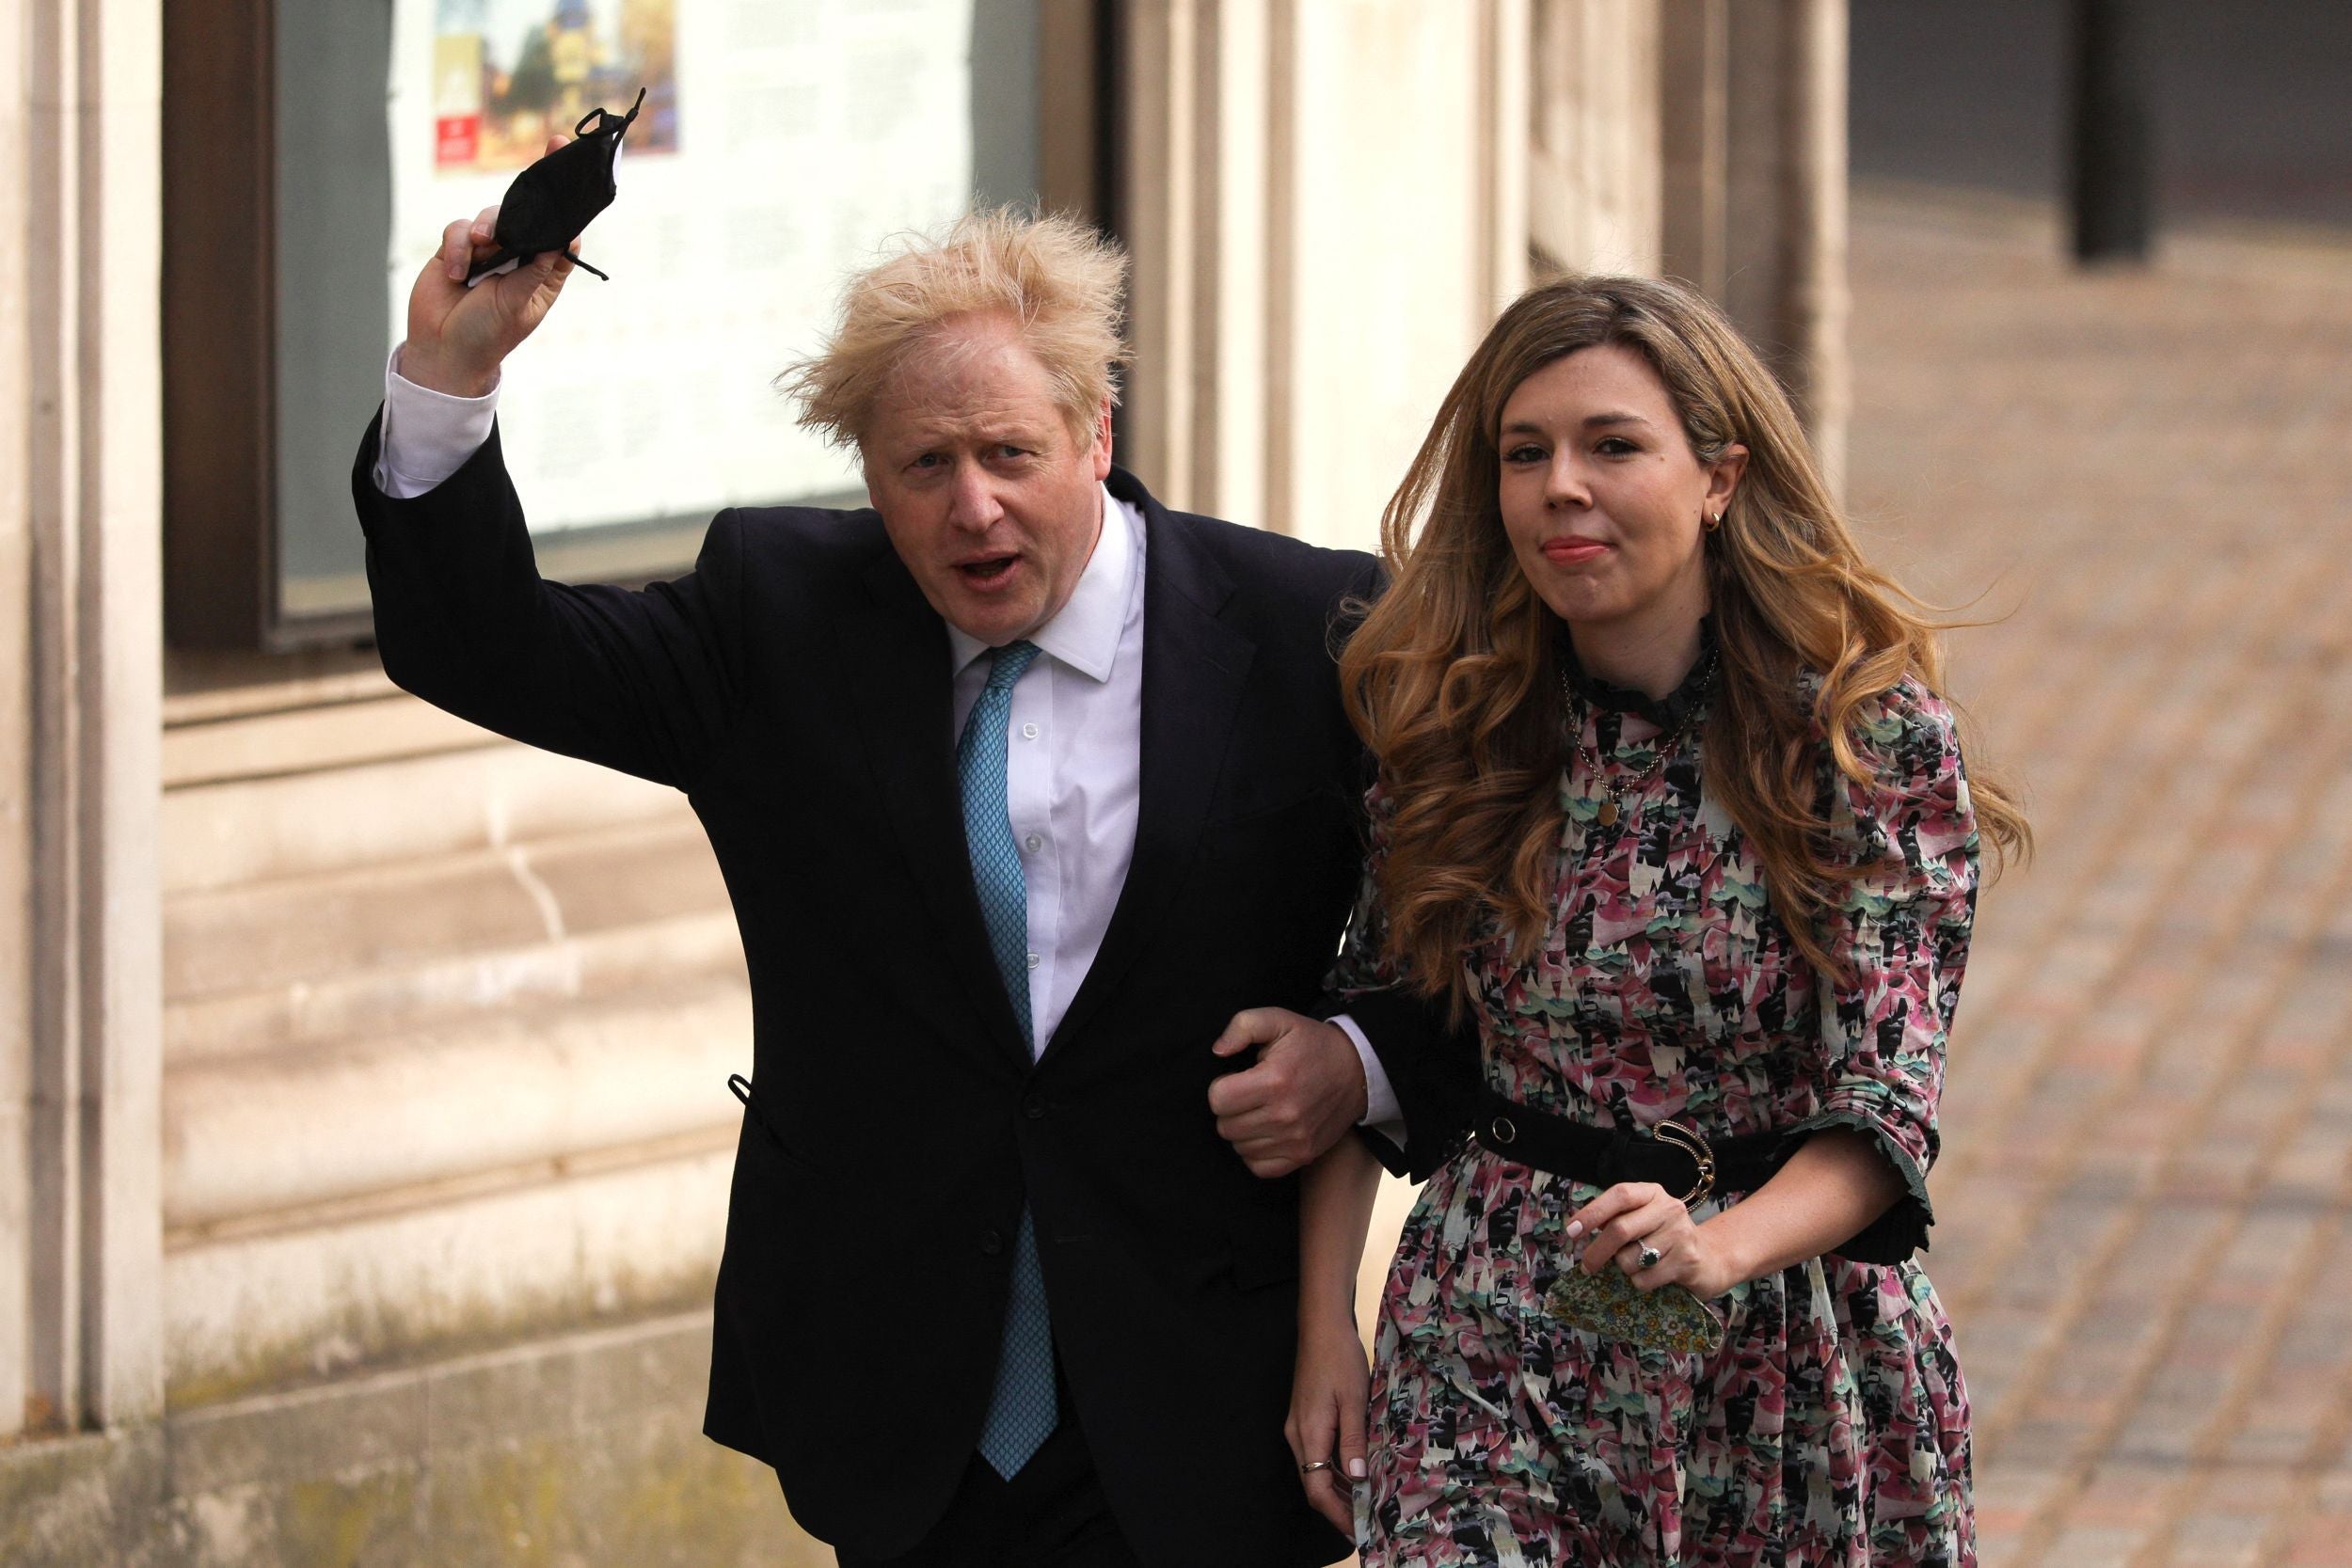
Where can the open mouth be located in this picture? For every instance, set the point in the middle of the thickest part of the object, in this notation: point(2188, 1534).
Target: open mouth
point(993, 569)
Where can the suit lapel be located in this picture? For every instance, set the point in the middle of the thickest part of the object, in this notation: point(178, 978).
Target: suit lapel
point(898, 660)
point(1194, 670)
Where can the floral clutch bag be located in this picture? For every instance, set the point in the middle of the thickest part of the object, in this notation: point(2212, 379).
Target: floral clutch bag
point(1669, 1318)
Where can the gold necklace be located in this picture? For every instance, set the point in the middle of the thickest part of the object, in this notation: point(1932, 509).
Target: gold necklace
point(1666, 743)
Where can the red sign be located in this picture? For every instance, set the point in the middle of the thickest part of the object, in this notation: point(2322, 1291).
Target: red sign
point(456, 139)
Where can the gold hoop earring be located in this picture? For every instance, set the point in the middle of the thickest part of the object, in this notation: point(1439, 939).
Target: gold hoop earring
point(1711, 524)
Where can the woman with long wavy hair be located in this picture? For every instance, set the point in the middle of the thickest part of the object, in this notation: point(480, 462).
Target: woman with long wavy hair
point(1671, 803)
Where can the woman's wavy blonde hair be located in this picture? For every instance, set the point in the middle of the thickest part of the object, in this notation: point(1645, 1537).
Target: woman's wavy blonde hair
point(1453, 678)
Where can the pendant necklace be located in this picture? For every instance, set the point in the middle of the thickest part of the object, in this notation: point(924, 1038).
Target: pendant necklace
point(1664, 745)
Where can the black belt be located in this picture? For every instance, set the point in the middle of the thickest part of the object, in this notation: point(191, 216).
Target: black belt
point(1674, 1155)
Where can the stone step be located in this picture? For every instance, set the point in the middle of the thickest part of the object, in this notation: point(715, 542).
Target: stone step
point(231, 833)
point(301, 741)
point(249, 1137)
point(299, 930)
point(520, 1252)
point(389, 998)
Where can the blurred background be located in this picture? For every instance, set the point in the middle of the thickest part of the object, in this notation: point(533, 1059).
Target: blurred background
point(363, 1131)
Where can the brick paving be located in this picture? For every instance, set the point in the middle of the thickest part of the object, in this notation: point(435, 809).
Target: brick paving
point(2144, 483)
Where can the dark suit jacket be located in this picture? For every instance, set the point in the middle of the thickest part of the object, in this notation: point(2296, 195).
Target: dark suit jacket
point(796, 686)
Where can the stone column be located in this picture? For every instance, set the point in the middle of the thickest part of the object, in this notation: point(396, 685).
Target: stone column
point(1325, 203)
point(1595, 134)
point(16, 754)
point(1198, 202)
point(1818, 302)
point(80, 567)
point(1694, 147)
point(1510, 160)
point(1754, 106)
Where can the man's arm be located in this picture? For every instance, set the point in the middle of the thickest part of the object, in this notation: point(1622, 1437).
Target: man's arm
point(639, 681)
point(1383, 1117)
point(1392, 1068)
point(1432, 1062)
point(1306, 1089)
point(427, 436)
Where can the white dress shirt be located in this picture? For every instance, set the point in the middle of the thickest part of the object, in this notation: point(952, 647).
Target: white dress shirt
point(1073, 762)
point(1073, 750)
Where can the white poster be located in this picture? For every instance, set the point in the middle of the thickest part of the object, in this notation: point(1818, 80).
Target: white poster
point(781, 143)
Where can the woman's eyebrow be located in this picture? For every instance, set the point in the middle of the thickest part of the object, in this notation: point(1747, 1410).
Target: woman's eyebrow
point(1590, 422)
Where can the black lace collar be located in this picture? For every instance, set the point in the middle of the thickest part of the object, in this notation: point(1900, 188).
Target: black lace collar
point(1665, 713)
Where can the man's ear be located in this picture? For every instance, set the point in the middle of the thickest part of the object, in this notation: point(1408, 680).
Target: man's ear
point(1103, 441)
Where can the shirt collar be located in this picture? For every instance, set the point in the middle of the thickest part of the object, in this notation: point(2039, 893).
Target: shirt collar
point(1085, 633)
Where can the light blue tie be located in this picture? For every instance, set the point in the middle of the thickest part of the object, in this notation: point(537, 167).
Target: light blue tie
point(1021, 1411)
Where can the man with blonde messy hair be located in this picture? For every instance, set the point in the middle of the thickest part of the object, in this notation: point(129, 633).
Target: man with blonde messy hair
point(1059, 280)
point(1025, 788)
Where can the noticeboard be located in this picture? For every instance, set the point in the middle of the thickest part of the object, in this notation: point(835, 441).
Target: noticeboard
point(782, 142)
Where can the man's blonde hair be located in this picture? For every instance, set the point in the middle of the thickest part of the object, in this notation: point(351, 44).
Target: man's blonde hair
point(1057, 279)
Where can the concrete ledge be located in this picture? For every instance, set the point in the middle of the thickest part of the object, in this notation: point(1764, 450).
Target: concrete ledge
point(339, 734)
point(417, 996)
point(219, 835)
point(579, 1448)
point(298, 929)
point(247, 1313)
point(84, 1500)
point(248, 1135)
point(278, 933)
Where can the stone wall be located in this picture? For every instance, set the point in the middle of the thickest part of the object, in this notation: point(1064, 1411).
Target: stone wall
point(579, 1448)
point(447, 1029)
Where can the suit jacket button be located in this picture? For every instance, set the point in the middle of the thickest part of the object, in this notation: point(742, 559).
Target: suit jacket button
point(1035, 1111)
point(992, 1242)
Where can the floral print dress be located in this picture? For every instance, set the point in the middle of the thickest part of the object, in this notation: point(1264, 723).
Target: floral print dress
point(1832, 1427)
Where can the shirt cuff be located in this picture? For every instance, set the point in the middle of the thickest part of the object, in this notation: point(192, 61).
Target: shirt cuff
point(1382, 1113)
point(427, 436)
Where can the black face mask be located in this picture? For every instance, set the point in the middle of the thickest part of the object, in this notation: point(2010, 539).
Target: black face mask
point(551, 201)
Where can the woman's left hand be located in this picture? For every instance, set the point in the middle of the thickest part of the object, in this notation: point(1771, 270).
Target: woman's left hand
point(1330, 1393)
point(1621, 1222)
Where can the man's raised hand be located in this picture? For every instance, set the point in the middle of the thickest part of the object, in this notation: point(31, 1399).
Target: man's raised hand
point(1305, 1091)
point(458, 337)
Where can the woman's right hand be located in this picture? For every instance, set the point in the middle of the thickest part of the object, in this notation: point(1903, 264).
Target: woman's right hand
point(1331, 1390)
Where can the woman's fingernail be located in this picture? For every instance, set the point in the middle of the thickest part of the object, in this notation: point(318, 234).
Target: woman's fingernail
point(1576, 1228)
point(1355, 1469)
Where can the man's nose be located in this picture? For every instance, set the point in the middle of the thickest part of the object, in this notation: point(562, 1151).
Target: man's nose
point(973, 502)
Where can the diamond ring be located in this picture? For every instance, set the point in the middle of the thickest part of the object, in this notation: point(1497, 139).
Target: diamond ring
point(1648, 1255)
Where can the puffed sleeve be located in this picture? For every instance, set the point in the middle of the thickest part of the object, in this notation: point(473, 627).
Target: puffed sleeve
point(1901, 928)
point(1431, 1059)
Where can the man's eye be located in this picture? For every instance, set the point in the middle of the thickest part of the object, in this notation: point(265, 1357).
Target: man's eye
point(1007, 450)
